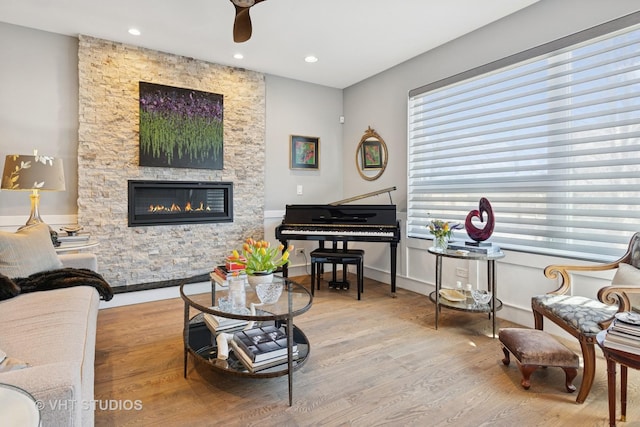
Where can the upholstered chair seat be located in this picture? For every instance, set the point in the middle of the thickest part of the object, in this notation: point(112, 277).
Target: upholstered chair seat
point(581, 313)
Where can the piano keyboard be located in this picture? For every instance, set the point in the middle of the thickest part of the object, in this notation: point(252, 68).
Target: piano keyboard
point(350, 232)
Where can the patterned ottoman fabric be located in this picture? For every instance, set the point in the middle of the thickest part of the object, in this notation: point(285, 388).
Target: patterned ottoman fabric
point(582, 313)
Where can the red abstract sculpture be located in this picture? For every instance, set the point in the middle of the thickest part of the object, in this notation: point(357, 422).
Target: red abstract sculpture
point(480, 234)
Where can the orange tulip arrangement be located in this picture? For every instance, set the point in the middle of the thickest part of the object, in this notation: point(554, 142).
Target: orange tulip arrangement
point(259, 256)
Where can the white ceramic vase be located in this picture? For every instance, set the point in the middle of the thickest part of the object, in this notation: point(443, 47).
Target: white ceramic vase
point(257, 278)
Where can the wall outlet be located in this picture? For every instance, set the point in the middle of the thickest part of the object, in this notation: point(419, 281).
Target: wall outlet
point(300, 251)
point(462, 272)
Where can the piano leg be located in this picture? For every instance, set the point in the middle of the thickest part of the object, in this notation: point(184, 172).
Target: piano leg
point(285, 268)
point(394, 257)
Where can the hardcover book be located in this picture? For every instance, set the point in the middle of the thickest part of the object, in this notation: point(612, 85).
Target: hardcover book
point(222, 324)
point(262, 343)
point(482, 249)
point(259, 366)
point(622, 347)
point(232, 265)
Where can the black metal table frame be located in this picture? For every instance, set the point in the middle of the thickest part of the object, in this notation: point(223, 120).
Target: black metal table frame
point(262, 316)
point(491, 281)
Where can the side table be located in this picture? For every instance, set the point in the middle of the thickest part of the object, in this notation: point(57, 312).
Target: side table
point(626, 360)
point(18, 407)
point(494, 305)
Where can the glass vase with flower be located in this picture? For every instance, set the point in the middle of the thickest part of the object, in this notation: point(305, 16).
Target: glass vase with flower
point(442, 232)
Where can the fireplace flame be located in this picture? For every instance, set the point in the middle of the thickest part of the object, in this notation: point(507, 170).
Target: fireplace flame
point(176, 208)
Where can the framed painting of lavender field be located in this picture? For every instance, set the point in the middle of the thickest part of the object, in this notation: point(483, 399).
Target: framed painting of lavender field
point(304, 152)
point(180, 128)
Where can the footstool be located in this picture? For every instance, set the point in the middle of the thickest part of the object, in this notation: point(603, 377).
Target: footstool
point(533, 348)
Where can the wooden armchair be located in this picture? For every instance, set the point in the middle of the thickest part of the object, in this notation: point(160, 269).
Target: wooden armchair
point(584, 317)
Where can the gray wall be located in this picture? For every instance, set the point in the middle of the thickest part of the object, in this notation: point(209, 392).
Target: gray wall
point(39, 110)
point(298, 108)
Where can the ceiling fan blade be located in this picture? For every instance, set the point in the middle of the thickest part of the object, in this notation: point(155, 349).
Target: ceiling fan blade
point(242, 25)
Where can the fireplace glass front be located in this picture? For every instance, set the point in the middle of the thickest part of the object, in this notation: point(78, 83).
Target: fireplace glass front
point(179, 202)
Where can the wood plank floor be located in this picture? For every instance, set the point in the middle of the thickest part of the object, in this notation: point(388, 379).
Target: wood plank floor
point(378, 361)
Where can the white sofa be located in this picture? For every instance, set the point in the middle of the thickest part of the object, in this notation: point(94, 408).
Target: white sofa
point(54, 332)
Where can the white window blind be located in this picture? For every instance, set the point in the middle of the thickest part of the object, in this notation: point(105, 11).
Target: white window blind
point(551, 141)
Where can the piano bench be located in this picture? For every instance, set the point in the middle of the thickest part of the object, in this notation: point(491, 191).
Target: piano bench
point(337, 256)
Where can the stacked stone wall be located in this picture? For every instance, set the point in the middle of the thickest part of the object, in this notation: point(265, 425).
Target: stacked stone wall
point(109, 74)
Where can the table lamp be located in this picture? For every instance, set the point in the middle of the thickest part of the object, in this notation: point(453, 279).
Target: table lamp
point(33, 173)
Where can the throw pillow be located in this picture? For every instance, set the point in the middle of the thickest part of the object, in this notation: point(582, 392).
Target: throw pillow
point(8, 288)
point(628, 275)
point(10, 363)
point(27, 251)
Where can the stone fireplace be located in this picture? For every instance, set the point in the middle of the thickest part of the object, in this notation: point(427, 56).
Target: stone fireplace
point(191, 244)
point(154, 202)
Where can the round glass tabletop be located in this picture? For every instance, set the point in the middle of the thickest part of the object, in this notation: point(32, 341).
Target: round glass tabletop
point(18, 407)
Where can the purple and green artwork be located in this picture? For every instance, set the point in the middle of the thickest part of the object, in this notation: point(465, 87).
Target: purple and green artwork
point(180, 128)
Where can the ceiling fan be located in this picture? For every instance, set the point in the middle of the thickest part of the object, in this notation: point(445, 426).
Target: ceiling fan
point(242, 23)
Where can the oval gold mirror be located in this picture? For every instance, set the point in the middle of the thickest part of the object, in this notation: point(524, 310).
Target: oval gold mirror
point(371, 155)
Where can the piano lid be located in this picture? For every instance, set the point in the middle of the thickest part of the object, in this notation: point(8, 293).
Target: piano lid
point(364, 196)
point(354, 215)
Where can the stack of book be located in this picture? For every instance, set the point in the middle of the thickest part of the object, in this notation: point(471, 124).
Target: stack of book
point(623, 336)
point(477, 247)
point(221, 275)
point(218, 324)
point(261, 348)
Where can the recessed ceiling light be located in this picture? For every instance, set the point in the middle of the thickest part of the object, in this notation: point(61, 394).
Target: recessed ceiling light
point(238, 56)
point(311, 59)
point(134, 31)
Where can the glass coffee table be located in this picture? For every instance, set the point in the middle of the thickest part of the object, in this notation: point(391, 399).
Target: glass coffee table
point(201, 343)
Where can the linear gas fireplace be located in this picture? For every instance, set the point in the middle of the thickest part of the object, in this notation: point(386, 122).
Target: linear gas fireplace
point(179, 202)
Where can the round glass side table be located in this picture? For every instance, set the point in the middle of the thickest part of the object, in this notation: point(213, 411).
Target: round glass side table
point(18, 407)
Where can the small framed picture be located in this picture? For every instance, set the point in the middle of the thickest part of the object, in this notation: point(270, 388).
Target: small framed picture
point(304, 152)
point(371, 155)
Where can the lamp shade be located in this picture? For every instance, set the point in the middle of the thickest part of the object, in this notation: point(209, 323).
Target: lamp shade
point(32, 172)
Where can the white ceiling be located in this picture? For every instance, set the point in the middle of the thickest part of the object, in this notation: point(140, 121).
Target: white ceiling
point(353, 39)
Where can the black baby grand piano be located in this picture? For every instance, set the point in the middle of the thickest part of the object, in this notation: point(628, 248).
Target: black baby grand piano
point(338, 222)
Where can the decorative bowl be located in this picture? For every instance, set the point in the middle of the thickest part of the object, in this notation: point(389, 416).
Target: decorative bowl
point(480, 296)
point(269, 293)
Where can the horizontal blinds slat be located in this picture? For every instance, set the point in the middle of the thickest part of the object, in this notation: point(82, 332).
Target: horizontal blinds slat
point(544, 64)
point(553, 142)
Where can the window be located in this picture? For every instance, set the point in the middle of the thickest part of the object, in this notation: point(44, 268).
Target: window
point(550, 136)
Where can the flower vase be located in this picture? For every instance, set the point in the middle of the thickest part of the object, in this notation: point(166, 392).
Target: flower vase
point(259, 277)
point(440, 243)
